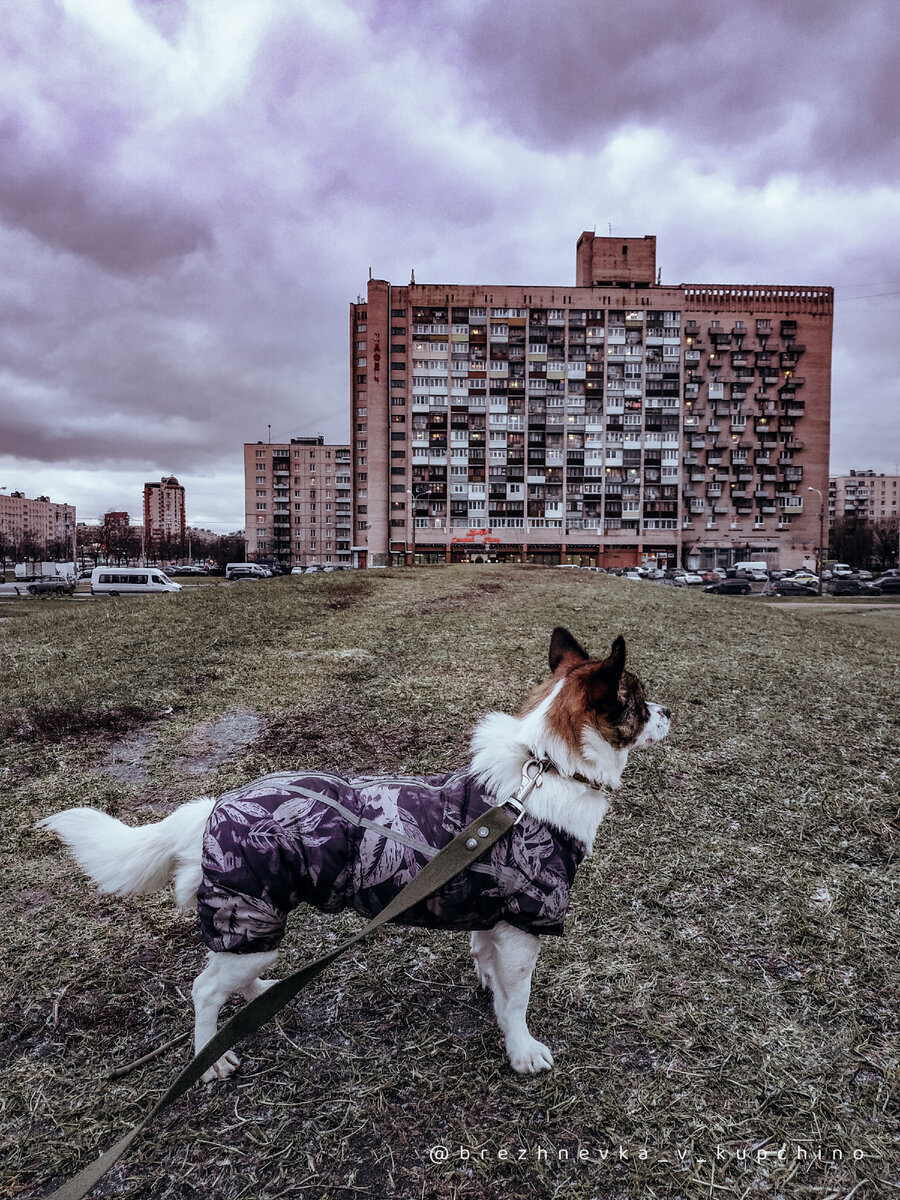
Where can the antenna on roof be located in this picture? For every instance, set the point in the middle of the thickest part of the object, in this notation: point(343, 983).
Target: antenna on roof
point(370, 272)
point(609, 227)
point(412, 275)
point(270, 434)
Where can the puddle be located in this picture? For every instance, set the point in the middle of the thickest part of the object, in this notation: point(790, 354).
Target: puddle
point(125, 761)
point(207, 747)
point(214, 743)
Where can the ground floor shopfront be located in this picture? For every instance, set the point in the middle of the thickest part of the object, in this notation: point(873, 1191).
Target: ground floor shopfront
point(692, 553)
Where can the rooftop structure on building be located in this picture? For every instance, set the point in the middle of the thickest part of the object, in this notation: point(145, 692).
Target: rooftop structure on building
point(617, 421)
point(297, 502)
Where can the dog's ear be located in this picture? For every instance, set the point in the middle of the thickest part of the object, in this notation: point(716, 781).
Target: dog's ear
point(602, 684)
point(616, 660)
point(564, 649)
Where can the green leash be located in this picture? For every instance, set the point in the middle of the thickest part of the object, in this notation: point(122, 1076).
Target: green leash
point(474, 840)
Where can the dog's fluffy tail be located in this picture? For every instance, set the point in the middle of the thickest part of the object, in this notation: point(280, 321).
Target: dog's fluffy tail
point(128, 860)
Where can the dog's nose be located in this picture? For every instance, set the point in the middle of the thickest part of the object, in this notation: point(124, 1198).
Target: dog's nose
point(666, 713)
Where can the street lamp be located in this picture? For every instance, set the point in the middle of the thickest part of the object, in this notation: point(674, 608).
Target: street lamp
point(415, 497)
point(821, 559)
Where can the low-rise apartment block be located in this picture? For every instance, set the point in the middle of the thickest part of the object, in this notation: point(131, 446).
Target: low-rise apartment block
point(297, 502)
point(613, 422)
point(863, 496)
point(40, 523)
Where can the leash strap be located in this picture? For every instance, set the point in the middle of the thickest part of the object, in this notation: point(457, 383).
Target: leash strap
point(467, 846)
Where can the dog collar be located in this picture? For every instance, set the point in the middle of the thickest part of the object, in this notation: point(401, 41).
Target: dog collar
point(549, 765)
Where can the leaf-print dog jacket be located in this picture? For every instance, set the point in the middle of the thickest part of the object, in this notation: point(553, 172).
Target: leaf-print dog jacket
point(336, 843)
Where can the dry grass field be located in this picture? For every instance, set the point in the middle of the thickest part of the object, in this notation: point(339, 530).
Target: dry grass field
point(723, 1011)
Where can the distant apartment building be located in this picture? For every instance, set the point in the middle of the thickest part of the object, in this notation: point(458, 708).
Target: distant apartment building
point(164, 512)
point(41, 522)
point(297, 502)
point(613, 422)
point(863, 496)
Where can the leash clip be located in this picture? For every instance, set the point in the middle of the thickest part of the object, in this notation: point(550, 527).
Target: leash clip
point(532, 777)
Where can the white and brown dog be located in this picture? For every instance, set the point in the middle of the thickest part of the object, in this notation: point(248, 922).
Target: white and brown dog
point(250, 857)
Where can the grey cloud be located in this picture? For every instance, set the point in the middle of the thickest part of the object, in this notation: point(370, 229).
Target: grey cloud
point(167, 16)
point(64, 202)
point(768, 87)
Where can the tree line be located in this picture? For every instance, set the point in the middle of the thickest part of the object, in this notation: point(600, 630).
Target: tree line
point(112, 541)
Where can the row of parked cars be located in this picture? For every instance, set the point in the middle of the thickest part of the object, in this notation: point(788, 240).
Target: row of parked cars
point(739, 580)
point(236, 571)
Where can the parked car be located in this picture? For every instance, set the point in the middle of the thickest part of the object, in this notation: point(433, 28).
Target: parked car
point(854, 587)
point(245, 568)
point(298, 570)
point(757, 574)
point(889, 584)
point(248, 571)
point(795, 587)
point(62, 586)
point(802, 577)
point(730, 587)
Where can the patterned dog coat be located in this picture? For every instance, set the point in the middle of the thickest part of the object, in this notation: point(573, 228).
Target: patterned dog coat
point(336, 843)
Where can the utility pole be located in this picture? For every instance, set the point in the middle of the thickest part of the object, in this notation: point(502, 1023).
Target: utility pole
point(821, 557)
point(415, 497)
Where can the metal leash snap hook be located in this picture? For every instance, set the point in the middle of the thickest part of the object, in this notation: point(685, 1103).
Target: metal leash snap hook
point(532, 773)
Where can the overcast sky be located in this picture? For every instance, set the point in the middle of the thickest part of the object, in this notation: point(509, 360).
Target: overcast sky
point(192, 191)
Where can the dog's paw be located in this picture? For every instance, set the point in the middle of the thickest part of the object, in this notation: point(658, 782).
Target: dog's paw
point(530, 1057)
point(483, 973)
point(225, 1066)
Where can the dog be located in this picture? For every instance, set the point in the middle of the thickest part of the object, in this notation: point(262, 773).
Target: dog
point(247, 859)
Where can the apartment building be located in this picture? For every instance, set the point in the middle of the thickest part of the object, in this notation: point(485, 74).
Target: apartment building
point(863, 496)
point(38, 523)
point(164, 512)
point(614, 422)
point(298, 502)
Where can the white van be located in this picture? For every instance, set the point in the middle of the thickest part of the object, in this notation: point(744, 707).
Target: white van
point(753, 566)
point(121, 581)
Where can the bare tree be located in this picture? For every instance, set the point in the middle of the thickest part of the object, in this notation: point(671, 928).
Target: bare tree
point(886, 542)
point(851, 541)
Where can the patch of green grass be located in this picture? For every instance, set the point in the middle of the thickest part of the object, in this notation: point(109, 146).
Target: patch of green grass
point(728, 987)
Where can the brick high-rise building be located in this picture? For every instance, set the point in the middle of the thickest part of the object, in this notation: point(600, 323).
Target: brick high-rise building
point(611, 422)
point(164, 515)
point(297, 501)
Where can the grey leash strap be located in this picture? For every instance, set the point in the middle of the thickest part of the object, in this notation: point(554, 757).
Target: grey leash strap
point(467, 846)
